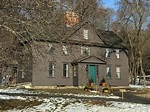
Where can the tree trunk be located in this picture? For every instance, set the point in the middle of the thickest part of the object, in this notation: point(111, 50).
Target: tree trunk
point(142, 70)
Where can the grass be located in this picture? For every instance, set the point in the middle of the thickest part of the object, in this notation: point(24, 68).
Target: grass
point(17, 104)
point(62, 91)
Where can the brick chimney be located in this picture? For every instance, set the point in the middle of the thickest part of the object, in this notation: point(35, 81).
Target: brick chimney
point(71, 18)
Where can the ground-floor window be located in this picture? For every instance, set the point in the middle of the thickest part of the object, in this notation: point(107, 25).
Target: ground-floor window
point(118, 73)
point(51, 69)
point(108, 72)
point(65, 70)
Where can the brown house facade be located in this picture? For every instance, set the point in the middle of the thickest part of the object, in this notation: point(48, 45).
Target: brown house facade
point(85, 54)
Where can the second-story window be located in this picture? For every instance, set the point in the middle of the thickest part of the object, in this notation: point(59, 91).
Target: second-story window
point(65, 48)
point(85, 34)
point(85, 51)
point(117, 53)
point(50, 48)
point(107, 52)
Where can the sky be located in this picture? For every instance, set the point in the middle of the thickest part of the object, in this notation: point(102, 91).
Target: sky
point(110, 4)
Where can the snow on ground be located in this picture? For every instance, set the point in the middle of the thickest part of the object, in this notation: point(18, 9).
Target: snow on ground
point(7, 97)
point(138, 86)
point(73, 105)
point(9, 90)
point(93, 95)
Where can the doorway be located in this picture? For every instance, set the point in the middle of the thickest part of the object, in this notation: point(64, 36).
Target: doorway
point(93, 72)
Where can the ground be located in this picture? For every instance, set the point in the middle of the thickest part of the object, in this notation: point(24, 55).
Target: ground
point(74, 100)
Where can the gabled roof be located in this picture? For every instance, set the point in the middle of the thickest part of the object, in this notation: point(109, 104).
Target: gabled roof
point(111, 39)
point(87, 59)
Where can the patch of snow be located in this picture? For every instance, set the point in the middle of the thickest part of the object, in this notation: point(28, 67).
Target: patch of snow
point(96, 95)
point(7, 97)
point(138, 86)
point(8, 90)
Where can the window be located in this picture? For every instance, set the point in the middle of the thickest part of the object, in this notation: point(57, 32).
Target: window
point(65, 49)
point(107, 52)
point(85, 34)
point(85, 51)
point(65, 70)
point(50, 48)
point(51, 69)
point(108, 72)
point(22, 75)
point(117, 53)
point(118, 72)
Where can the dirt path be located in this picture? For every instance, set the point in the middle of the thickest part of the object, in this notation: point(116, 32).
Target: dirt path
point(130, 97)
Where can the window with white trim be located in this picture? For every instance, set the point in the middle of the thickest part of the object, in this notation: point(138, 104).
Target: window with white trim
point(65, 70)
point(108, 72)
point(85, 51)
point(85, 34)
point(65, 49)
point(51, 69)
point(117, 53)
point(107, 52)
point(50, 48)
point(118, 74)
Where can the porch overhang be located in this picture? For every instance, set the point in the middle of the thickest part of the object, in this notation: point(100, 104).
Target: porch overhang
point(89, 59)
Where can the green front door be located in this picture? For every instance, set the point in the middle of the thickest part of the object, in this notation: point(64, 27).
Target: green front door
point(92, 72)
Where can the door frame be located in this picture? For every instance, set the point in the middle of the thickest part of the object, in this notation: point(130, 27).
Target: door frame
point(96, 72)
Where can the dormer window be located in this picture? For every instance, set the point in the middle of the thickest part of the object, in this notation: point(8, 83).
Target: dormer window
point(85, 34)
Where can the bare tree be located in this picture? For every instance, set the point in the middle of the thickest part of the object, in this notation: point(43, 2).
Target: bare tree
point(132, 16)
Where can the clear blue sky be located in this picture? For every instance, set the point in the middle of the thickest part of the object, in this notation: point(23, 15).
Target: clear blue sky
point(110, 3)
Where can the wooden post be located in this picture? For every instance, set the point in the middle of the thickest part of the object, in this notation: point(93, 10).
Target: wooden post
point(122, 91)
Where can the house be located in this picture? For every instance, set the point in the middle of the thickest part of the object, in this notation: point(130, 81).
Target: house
point(86, 53)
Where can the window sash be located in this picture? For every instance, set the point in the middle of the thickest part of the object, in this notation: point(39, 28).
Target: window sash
point(51, 69)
